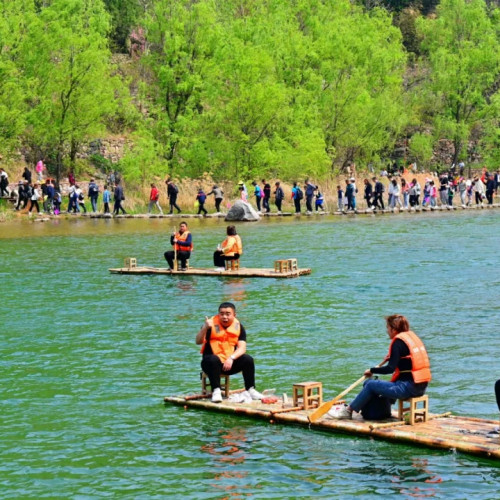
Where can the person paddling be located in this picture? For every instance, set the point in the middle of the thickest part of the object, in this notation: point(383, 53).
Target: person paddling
point(407, 360)
point(183, 246)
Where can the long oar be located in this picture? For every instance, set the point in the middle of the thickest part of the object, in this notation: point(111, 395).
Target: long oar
point(319, 412)
point(175, 253)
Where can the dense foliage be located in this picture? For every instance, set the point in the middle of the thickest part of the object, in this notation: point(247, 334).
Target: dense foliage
point(243, 88)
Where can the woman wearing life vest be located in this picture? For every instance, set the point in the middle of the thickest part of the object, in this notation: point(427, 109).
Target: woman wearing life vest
point(230, 249)
point(223, 341)
point(407, 360)
point(183, 246)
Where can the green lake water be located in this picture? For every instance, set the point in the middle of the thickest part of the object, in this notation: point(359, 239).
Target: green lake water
point(86, 357)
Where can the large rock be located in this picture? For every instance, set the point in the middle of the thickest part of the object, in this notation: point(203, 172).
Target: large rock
point(242, 211)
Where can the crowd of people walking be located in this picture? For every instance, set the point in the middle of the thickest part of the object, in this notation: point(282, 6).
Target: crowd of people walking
point(395, 192)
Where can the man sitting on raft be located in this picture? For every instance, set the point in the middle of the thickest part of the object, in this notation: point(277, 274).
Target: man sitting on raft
point(407, 360)
point(224, 346)
point(183, 246)
point(231, 249)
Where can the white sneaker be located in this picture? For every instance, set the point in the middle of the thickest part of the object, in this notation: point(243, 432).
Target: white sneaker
point(219, 268)
point(217, 396)
point(254, 394)
point(339, 412)
point(241, 397)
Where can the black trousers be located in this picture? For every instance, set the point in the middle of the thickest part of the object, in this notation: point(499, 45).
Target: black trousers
point(201, 208)
point(182, 256)
point(212, 366)
point(258, 199)
point(378, 201)
point(278, 204)
point(218, 201)
point(265, 204)
point(309, 206)
point(220, 258)
point(118, 207)
point(173, 204)
point(497, 393)
point(489, 197)
point(297, 205)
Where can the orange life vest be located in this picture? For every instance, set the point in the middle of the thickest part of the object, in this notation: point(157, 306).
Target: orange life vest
point(223, 341)
point(233, 245)
point(182, 237)
point(420, 365)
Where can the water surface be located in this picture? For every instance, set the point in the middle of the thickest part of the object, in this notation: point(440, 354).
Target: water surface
point(86, 357)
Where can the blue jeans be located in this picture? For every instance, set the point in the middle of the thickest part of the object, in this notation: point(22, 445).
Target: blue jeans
point(401, 389)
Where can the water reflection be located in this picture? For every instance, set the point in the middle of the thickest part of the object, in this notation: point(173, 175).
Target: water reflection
point(419, 473)
point(227, 450)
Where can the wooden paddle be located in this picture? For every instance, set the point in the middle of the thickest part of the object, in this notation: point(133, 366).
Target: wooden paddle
point(175, 253)
point(320, 411)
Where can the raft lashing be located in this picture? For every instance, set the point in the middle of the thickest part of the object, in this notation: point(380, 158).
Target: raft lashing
point(469, 435)
point(131, 267)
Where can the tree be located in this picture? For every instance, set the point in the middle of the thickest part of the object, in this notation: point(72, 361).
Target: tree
point(12, 97)
point(463, 53)
point(71, 90)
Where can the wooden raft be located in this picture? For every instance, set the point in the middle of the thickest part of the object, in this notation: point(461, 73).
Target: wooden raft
point(247, 272)
point(465, 434)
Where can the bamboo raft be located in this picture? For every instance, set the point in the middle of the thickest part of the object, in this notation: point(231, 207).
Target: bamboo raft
point(242, 272)
point(469, 435)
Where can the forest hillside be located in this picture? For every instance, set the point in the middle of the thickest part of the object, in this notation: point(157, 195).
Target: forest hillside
point(248, 88)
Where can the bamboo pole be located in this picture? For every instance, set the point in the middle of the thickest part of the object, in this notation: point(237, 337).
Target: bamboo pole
point(287, 410)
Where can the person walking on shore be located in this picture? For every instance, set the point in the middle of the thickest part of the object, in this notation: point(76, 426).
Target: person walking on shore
point(172, 192)
point(309, 189)
point(267, 196)
point(490, 188)
point(218, 195)
point(368, 193)
point(259, 194)
point(350, 192)
point(396, 192)
point(378, 201)
point(4, 183)
point(154, 197)
point(340, 198)
point(279, 196)
point(201, 198)
point(119, 197)
point(40, 168)
point(405, 189)
point(297, 195)
point(106, 199)
point(93, 194)
point(35, 196)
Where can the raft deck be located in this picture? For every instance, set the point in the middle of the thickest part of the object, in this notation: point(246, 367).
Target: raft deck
point(465, 434)
point(244, 272)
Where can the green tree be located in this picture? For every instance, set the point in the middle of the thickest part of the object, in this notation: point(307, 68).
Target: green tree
point(463, 54)
point(13, 18)
point(71, 90)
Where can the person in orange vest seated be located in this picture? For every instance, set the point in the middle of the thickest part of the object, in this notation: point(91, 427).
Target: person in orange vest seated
point(231, 249)
point(183, 246)
point(407, 360)
point(223, 341)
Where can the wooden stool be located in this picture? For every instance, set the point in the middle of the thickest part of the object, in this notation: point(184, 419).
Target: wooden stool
point(232, 265)
point(413, 409)
point(281, 266)
point(205, 382)
point(292, 265)
point(130, 262)
point(308, 394)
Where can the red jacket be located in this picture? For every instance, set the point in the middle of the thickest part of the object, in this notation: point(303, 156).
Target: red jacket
point(155, 194)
